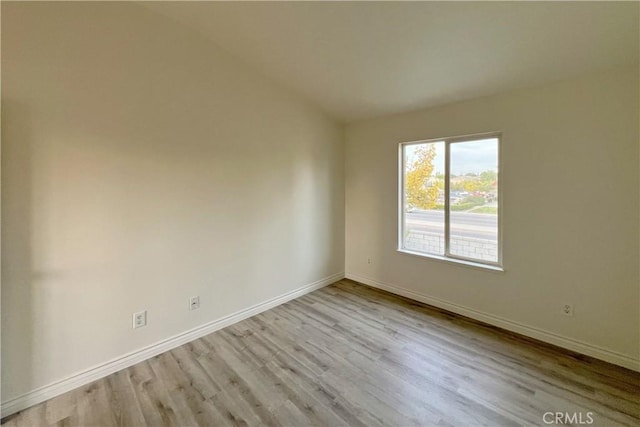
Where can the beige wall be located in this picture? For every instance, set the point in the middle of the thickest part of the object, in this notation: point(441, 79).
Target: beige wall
point(141, 165)
point(570, 187)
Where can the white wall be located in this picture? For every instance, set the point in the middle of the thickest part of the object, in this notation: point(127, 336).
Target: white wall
point(570, 187)
point(142, 165)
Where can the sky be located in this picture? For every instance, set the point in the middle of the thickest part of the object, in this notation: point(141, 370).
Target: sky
point(466, 157)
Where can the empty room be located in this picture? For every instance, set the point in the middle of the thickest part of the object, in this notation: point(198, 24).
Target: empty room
point(320, 213)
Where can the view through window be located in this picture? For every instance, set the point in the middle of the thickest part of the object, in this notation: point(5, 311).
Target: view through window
point(449, 203)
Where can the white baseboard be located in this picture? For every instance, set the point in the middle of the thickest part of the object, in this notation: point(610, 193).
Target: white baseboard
point(529, 331)
point(62, 386)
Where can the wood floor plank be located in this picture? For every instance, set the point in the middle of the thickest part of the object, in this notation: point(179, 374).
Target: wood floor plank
point(288, 414)
point(195, 373)
point(123, 400)
point(93, 406)
point(154, 401)
point(351, 355)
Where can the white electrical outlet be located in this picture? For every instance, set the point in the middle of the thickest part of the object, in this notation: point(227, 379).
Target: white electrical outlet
point(194, 303)
point(139, 319)
point(567, 309)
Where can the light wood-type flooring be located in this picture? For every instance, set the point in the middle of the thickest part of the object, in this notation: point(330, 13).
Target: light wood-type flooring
point(351, 355)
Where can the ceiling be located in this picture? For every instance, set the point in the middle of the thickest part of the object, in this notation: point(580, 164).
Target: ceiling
point(364, 59)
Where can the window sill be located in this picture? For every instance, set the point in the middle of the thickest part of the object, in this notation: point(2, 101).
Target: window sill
point(461, 262)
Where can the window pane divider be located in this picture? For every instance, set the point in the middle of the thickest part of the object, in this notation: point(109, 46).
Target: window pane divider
point(447, 202)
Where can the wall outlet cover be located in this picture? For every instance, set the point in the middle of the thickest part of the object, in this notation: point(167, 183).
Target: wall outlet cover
point(139, 319)
point(194, 303)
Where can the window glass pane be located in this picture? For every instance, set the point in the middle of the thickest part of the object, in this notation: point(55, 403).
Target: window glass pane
point(424, 197)
point(473, 199)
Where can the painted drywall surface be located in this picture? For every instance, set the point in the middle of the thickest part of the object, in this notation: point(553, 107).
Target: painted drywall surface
point(570, 199)
point(141, 165)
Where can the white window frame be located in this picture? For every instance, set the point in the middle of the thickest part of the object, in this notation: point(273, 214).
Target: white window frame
point(448, 256)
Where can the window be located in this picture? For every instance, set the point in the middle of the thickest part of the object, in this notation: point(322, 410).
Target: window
point(449, 199)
